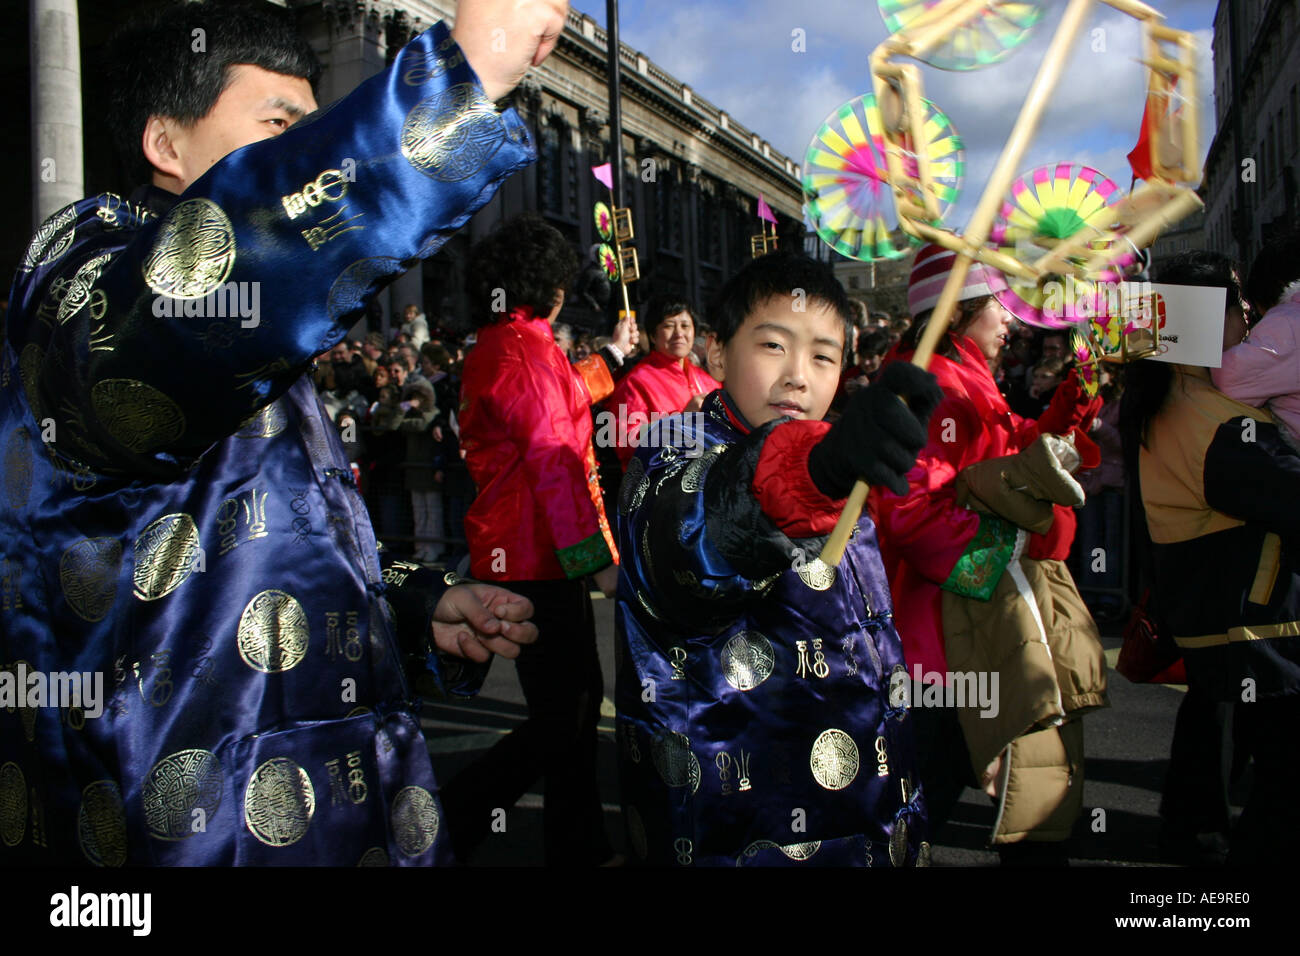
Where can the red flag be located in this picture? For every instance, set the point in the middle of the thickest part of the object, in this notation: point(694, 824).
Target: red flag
point(604, 174)
point(765, 211)
point(1139, 159)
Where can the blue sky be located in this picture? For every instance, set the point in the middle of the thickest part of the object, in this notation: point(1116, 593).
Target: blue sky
point(737, 54)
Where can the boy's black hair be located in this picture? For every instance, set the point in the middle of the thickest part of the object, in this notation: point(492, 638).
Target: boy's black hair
point(528, 260)
point(778, 275)
point(875, 342)
point(160, 65)
point(660, 307)
point(1275, 268)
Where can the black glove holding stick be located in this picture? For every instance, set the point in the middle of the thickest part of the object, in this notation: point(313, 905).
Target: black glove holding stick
point(878, 436)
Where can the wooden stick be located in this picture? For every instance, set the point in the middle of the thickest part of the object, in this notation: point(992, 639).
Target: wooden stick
point(977, 231)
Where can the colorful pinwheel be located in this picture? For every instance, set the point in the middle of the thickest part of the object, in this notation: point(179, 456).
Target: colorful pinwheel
point(1086, 361)
point(604, 222)
point(1047, 206)
point(608, 260)
point(987, 38)
point(847, 196)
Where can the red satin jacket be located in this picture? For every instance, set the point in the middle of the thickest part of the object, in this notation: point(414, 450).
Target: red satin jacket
point(525, 426)
point(924, 534)
point(659, 383)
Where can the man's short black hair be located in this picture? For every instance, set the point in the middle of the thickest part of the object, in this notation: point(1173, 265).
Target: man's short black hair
point(1275, 268)
point(779, 275)
point(162, 65)
point(528, 261)
point(660, 307)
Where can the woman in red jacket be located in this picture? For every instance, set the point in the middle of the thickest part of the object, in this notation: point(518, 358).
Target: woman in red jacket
point(664, 382)
point(538, 521)
point(930, 542)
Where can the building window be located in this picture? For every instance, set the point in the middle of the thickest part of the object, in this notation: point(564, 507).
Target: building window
point(853, 282)
point(549, 169)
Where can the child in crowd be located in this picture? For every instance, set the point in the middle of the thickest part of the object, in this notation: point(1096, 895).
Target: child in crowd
point(755, 719)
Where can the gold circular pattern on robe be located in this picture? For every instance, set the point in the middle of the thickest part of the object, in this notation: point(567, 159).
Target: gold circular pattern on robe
point(164, 555)
point(348, 292)
point(13, 804)
point(193, 251)
point(693, 477)
point(52, 239)
point(88, 575)
point(273, 632)
point(267, 423)
point(78, 294)
point(414, 820)
point(636, 833)
point(801, 851)
point(747, 660)
point(747, 855)
point(279, 802)
point(101, 824)
point(676, 765)
point(635, 484)
point(175, 787)
point(18, 468)
point(137, 415)
point(898, 843)
point(817, 574)
point(375, 856)
point(834, 759)
point(452, 135)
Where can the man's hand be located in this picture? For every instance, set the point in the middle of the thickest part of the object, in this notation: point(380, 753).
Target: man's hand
point(626, 334)
point(695, 404)
point(501, 39)
point(479, 620)
point(607, 580)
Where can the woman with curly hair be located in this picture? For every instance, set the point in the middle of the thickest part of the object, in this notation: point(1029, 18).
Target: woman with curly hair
point(538, 521)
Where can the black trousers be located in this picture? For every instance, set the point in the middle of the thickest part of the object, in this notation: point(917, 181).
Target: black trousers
point(562, 684)
point(1195, 797)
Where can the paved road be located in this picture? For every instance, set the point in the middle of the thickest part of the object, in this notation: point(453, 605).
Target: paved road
point(1127, 747)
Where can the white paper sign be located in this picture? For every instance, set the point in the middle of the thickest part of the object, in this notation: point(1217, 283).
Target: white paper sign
point(1191, 332)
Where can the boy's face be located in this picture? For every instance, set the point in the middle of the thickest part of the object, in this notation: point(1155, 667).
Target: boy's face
point(781, 362)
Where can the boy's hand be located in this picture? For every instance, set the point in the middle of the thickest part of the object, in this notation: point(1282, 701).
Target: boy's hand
point(878, 436)
point(479, 620)
point(501, 39)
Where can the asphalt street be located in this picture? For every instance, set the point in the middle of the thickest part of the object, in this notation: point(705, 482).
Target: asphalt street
point(1127, 750)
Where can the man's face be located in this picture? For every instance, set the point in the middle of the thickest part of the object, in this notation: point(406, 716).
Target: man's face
point(256, 104)
point(371, 351)
point(675, 335)
point(342, 353)
point(782, 362)
point(1054, 347)
point(397, 373)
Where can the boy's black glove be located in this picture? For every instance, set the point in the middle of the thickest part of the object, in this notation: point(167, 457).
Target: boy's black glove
point(878, 437)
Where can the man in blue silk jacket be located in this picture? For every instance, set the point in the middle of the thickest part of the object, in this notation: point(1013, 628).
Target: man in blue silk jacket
point(201, 644)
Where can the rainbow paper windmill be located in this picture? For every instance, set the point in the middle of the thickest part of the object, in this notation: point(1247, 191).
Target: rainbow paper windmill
point(846, 187)
point(608, 261)
point(989, 37)
point(1047, 206)
point(604, 221)
point(1087, 361)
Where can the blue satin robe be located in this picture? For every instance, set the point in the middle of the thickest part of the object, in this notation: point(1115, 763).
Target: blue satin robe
point(755, 721)
point(178, 514)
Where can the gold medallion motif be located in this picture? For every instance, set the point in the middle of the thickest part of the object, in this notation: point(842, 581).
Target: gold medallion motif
point(138, 416)
point(267, 423)
point(273, 632)
point(817, 574)
point(834, 759)
point(13, 804)
point(801, 851)
point(693, 477)
point(193, 251)
point(375, 856)
point(88, 575)
point(636, 832)
point(632, 491)
point(52, 239)
point(101, 824)
point(164, 556)
point(279, 802)
point(348, 292)
point(451, 136)
point(747, 660)
point(672, 757)
point(79, 291)
point(748, 854)
point(18, 468)
point(898, 843)
point(177, 786)
point(414, 820)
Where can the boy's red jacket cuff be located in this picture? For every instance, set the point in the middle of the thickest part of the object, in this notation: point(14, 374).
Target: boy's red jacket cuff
point(783, 487)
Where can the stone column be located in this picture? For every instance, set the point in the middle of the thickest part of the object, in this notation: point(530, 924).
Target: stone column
point(57, 178)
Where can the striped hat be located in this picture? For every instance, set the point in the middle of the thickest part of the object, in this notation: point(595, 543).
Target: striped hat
point(930, 272)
